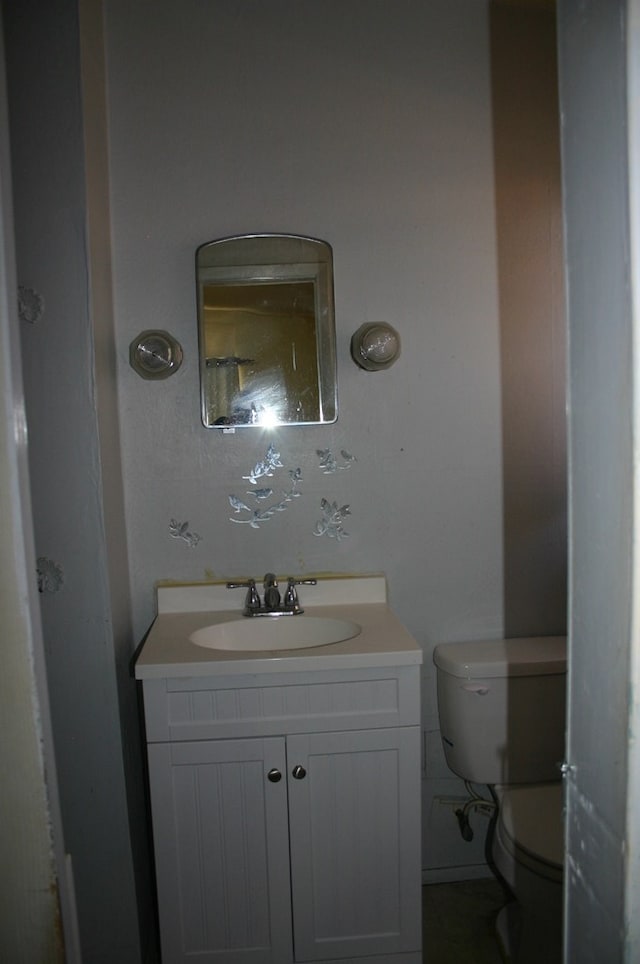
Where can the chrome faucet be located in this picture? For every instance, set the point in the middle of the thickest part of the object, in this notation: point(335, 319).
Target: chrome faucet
point(274, 604)
point(271, 592)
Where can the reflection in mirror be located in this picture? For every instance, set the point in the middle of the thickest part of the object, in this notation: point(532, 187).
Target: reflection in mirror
point(267, 331)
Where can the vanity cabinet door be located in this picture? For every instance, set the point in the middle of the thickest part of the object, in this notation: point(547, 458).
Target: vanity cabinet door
point(222, 852)
point(354, 817)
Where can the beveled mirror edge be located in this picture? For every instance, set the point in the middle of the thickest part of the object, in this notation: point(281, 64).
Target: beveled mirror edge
point(276, 237)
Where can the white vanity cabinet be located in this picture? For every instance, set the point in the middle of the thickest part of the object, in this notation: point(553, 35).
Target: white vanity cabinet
point(286, 816)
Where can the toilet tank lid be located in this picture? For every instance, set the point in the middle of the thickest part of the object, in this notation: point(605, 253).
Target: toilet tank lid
point(522, 656)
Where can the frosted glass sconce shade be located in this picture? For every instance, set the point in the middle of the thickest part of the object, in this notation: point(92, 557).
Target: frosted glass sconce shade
point(375, 346)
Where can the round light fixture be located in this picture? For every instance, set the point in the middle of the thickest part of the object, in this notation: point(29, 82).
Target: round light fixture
point(375, 346)
point(155, 354)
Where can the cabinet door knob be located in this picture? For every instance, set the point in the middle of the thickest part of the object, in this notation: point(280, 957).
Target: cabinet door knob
point(274, 775)
point(298, 772)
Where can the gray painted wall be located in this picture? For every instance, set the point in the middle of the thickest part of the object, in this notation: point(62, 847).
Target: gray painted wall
point(30, 843)
point(85, 622)
point(373, 126)
point(409, 137)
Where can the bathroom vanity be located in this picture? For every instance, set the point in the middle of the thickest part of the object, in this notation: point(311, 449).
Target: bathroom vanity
point(285, 785)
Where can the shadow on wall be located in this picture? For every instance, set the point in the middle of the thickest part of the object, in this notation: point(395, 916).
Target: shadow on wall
point(526, 139)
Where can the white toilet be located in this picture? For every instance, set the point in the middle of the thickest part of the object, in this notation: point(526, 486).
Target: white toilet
point(501, 705)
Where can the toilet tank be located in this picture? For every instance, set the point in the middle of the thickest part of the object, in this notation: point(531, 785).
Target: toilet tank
point(501, 705)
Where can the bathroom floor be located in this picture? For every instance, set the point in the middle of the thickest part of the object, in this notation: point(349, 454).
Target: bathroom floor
point(458, 922)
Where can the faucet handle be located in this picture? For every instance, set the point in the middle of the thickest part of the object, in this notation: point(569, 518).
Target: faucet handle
point(291, 596)
point(291, 581)
point(291, 601)
point(252, 601)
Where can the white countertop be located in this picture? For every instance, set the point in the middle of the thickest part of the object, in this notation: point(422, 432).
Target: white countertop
point(168, 652)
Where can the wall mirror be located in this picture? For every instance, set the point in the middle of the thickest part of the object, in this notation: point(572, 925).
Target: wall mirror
point(266, 331)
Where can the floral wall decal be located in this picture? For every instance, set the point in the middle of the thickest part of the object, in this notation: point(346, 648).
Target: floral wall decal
point(331, 523)
point(295, 476)
point(261, 494)
point(238, 505)
point(30, 304)
point(254, 508)
point(180, 530)
point(50, 575)
point(260, 515)
point(349, 459)
point(270, 462)
point(329, 464)
point(266, 468)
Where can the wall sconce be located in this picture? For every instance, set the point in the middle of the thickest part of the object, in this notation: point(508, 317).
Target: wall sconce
point(375, 346)
point(155, 354)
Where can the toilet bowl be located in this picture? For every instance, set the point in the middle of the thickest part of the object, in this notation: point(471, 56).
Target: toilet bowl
point(527, 850)
point(501, 705)
point(529, 828)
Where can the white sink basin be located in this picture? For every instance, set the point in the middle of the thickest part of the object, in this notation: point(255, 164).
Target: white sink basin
point(261, 633)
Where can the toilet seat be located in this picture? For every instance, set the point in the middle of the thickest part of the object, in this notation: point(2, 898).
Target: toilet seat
point(530, 827)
